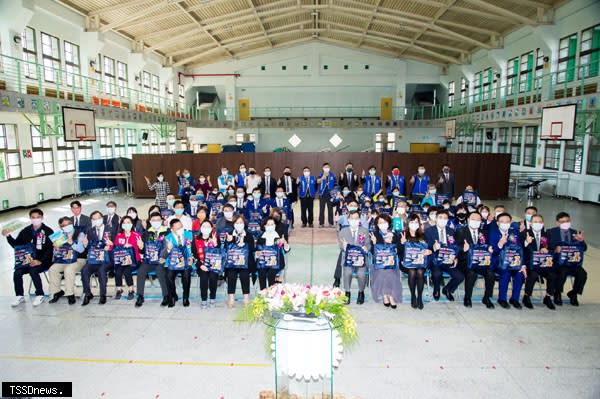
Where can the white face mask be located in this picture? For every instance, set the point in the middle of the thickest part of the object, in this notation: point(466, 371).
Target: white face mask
point(402, 211)
point(269, 228)
point(306, 174)
point(352, 208)
point(224, 172)
point(432, 192)
point(132, 215)
point(354, 222)
point(36, 222)
point(565, 226)
point(421, 171)
point(256, 195)
point(156, 224)
point(537, 227)
point(383, 226)
point(372, 172)
point(345, 193)
point(442, 222)
point(433, 217)
point(194, 203)
point(498, 213)
point(240, 195)
point(359, 193)
point(180, 232)
point(279, 194)
point(228, 215)
point(242, 170)
point(474, 224)
point(202, 180)
point(160, 178)
point(97, 222)
point(485, 215)
point(267, 173)
point(504, 227)
point(239, 227)
point(326, 170)
point(110, 211)
point(206, 230)
point(230, 192)
point(68, 229)
point(413, 226)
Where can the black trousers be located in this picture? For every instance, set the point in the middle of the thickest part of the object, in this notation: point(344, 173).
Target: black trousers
point(186, 280)
point(142, 273)
point(266, 277)
point(338, 267)
point(232, 276)
point(208, 282)
point(580, 278)
point(34, 272)
point(456, 277)
point(121, 271)
point(550, 274)
point(471, 278)
point(306, 210)
point(325, 202)
point(100, 271)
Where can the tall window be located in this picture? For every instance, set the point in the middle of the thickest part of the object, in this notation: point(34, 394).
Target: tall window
point(72, 64)
point(589, 53)
point(531, 140)
point(29, 52)
point(385, 142)
point(10, 162)
point(479, 139)
point(463, 90)
point(110, 82)
point(515, 146)
point(84, 150)
point(65, 155)
point(50, 57)
point(122, 80)
point(503, 140)
point(43, 160)
point(573, 155)
point(539, 68)
point(489, 143)
point(155, 90)
point(488, 84)
point(132, 142)
point(147, 86)
point(478, 87)
point(120, 150)
point(552, 155)
point(106, 150)
point(567, 49)
point(593, 167)
point(181, 98)
point(526, 73)
point(512, 70)
point(451, 89)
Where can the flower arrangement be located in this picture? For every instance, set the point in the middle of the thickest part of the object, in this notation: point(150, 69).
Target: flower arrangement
point(481, 239)
point(544, 242)
point(451, 240)
point(325, 301)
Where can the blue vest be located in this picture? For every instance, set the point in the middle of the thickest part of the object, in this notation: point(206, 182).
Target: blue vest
point(421, 184)
point(187, 239)
point(240, 180)
point(396, 182)
point(224, 182)
point(328, 185)
point(371, 188)
point(307, 186)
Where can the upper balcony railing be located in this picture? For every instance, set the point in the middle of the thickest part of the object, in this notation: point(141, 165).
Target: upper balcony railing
point(32, 78)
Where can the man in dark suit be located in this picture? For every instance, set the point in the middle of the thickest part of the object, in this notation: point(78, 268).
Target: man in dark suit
point(466, 237)
point(268, 185)
point(563, 234)
point(436, 236)
point(80, 221)
point(96, 236)
point(111, 219)
point(348, 178)
point(536, 239)
point(445, 181)
point(288, 182)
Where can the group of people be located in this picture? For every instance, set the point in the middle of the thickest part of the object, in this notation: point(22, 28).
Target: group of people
point(239, 230)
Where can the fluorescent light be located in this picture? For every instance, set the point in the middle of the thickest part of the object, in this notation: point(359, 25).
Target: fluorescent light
point(335, 140)
point(294, 141)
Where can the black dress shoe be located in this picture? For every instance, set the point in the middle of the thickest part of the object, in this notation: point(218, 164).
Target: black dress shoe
point(527, 302)
point(176, 297)
point(515, 304)
point(71, 299)
point(171, 302)
point(436, 295)
point(165, 301)
point(347, 297)
point(303, 224)
point(336, 282)
point(130, 295)
point(448, 294)
point(548, 303)
point(487, 302)
point(186, 302)
point(573, 298)
point(361, 298)
point(102, 300)
point(413, 302)
point(139, 301)
point(56, 296)
point(420, 303)
point(393, 306)
point(557, 300)
point(468, 303)
point(504, 304)
point(86, 300)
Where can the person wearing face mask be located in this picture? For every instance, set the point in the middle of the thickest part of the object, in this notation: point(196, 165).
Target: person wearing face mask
point(98, 258)
point(258, 208)
point(386, 284)
point(501, 240)
point(269, 238)
point(66, 261)
point(358, 236)
point(206, 238)
point(240, 177)
point(127, 238)
point(493, 224)
point(486, 217)
point(201, 216)
point(416, 276)
point(216, 207)
point(447, 205)
point(268, 185)
point(253, 181)
point(535, 240)
point(395, 181)
point(460, 217)
point(399, 216)
point(444, 182)
point(371, 183)
point(161, 188)
point(467, 238)
point(225, 180)
point(288, 182)
point(431, 198)
point(203, 185)
point(564, 235)
point(179, 213)
point(242, 238)
point(111, 220)
point(419, 184)
point(349, 178)
point(36, 237)
point(395, 198)
point(153, 239)
point(138, 226)
point(525, 224)
point(240, 200)
point(171, 198)
point(470, 198)
point(80, 221)
point(282, 203)
point(178, 257)
point(191, 208)
point(186, 184)
point(326, 182)
point(307, 188)
point(438, 236)
point(230, 192)
point(343, 222)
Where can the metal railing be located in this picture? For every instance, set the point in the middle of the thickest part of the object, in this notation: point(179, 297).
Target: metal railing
point(519, 179)
point(124, 175)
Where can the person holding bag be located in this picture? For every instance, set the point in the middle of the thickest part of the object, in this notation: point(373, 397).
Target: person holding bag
point(210, 262)
point(153, 239)
point(240, 244)
point(355, 245)
point(126, 256)
point(274, 244)
point(178, 258)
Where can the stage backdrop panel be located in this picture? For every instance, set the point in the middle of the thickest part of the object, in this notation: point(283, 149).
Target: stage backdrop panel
point(488, 173)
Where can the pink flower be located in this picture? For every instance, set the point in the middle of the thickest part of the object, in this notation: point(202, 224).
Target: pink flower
point(544, 242)
point(451, 240)
point(482, 239)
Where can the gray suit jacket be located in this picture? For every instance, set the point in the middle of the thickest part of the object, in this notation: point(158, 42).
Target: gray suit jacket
point(84, 224)
point(346, 234)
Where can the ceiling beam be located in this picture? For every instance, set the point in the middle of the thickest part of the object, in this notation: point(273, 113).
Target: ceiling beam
point(470, 27)
point(392, 25)
point(137, 15)
point(503, 11)
point(368, 24)
point(260, 23)
point(116, 7)
point(165, 32)
point(532, 3)
point(483, 14)
point(170, 40)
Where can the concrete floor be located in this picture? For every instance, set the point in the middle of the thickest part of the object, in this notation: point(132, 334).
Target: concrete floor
point(446, 350)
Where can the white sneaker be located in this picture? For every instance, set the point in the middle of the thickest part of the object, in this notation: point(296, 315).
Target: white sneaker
point(18, 300)
point(38, 300)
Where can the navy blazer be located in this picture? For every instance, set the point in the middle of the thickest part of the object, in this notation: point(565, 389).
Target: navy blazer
point(114, 228)
point(432, 235)
point(555, 239)
point(496, 235)
point(529, 249)
point(262, 203)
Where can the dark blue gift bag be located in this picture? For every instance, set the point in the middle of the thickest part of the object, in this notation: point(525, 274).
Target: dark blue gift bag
point(152, 252)
point(65, 254)
point(570, 255)
point(479, 256)
point(223, 233)
point(237, 257)
point(385, 256)
point(413, 255)
point(446, 256)
point(355, 256)
point(267, 256)
point(177, 258)
point(540, 260)
point(96, 253)
point(254, 221)
point(24, 254)
point(214, 259)
point(123, 256)
point(511, 257)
